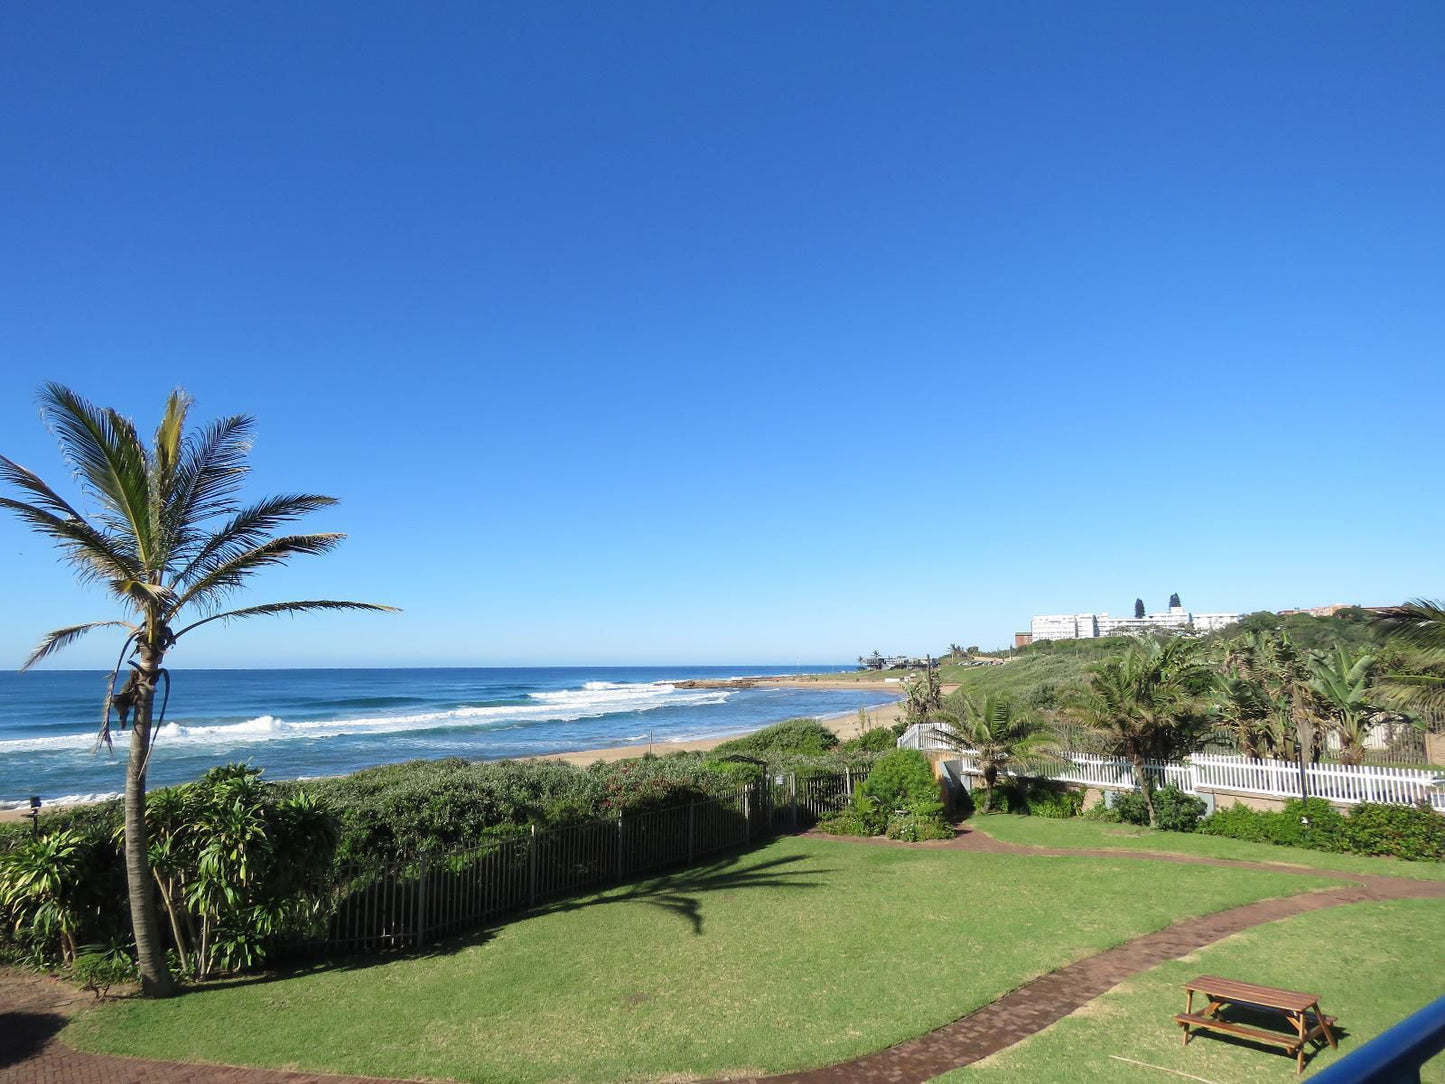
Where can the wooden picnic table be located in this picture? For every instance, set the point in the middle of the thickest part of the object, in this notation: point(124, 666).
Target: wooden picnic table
point(1301, 1010)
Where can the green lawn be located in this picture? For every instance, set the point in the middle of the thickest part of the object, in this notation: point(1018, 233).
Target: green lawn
point(1091, 835)
point(1371, 963)
point(797, 954)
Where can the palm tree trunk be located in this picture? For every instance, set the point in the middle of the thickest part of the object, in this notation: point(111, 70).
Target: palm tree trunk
point(155, 977)
point(1141, 777)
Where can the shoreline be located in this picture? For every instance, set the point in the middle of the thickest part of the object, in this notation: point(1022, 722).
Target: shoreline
point(844, 724)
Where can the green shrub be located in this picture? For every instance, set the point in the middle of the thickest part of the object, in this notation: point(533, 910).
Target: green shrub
point(1177, 811)
point(901, 779)
point(805, 737)
point(1057, 801)
point(1100, 811)
point(99, 967)
point(1307, 822)
point(920, 823)
point(1131, 808)
point(1237, 822)
point(863, 817)
point(880, 739)
point(1416, 833)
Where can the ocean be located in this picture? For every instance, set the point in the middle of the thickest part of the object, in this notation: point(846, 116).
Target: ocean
point(305, 723)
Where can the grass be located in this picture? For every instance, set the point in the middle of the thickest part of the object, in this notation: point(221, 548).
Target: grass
point(1371, 963)
point(797, 954)
point(1094, 835)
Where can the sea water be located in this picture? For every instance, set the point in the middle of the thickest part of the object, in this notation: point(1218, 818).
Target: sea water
point(302, 723)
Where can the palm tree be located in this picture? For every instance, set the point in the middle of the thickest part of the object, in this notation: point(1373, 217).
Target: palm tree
point(1342, 685)
point(1418, 627)
point(1243, 715)
point(1147, 704)
point(170, 541)
point(998, 737)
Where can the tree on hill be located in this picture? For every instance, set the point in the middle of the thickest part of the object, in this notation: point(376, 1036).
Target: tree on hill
point(170, 542)
point(1174, 600)
point(1138, 607)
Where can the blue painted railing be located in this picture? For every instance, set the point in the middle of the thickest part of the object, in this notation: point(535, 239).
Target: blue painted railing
point(1396, 1056)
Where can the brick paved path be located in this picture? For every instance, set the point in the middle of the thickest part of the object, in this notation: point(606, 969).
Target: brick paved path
point(33, 1008)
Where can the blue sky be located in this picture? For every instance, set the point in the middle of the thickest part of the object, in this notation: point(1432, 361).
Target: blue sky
point(746, 332)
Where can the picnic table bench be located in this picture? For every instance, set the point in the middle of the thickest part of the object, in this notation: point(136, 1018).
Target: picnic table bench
point(1301, 1010)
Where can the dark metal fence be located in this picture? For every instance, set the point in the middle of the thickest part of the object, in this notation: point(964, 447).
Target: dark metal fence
point(408, 904)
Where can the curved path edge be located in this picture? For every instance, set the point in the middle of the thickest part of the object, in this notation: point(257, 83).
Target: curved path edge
point(33, 1008)
point(1049, 998)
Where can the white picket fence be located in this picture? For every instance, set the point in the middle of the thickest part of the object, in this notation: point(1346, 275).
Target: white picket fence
point(1342, 783)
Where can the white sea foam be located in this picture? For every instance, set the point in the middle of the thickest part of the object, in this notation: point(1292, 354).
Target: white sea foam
point(594, 699)
point(64, 799)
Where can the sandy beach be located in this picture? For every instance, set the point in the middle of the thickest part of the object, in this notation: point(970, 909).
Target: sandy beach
point(845, 726)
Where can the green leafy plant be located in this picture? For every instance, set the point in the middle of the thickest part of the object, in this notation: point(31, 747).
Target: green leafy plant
point(41, 883)
point(1131, 807)
point(1177, 811)
point(99, 967)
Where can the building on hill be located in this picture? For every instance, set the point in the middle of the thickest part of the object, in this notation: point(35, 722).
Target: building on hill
point(1091, 626)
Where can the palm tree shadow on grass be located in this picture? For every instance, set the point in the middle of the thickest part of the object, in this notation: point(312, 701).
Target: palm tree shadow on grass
point(683, 893)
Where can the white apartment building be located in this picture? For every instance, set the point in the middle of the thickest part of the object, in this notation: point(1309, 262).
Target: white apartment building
point(1089, 626)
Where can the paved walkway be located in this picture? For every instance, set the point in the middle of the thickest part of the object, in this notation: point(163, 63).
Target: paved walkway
point(34, 1008)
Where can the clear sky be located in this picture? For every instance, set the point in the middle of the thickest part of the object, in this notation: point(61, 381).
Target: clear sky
point(660, 332)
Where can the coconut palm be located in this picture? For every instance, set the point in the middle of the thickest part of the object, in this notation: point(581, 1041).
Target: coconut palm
point(998, 738)
point(170, 541)
point(1418, 628)
point(1147, 704)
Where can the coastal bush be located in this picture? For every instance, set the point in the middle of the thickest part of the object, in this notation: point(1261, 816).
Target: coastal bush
point(901, 779)
point(1176, 811)
point(924, 821)
point(1054, 800)
point(1101, 811)
point(1131, 808)
point(879, 739)
point(1414, 833)
point(397, 811)
point(898, 798)
point(802, 737)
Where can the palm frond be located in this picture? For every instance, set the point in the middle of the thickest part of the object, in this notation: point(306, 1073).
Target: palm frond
point(54, 641)
point(31, 483)
point(211, 469)
point(1418, 624)
point(247, 529)
point(97, 555)
point(230, 575)
point(106, 454)
point(276, 609)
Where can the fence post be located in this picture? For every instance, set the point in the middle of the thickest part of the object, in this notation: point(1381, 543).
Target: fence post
point(747, 813)
point(793, 797)
point(421, 880)
point(848, 782)
point(619, 847)
point(691, 818)
point(532, 867)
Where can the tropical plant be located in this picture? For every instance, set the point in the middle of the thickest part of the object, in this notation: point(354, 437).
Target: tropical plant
point(171, 542)
point(39, 884)
point(1243, 715)
point(1342, 684)
point(924, 696)
point(1147, 704)
point(1418, 629)
point(999, 738)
